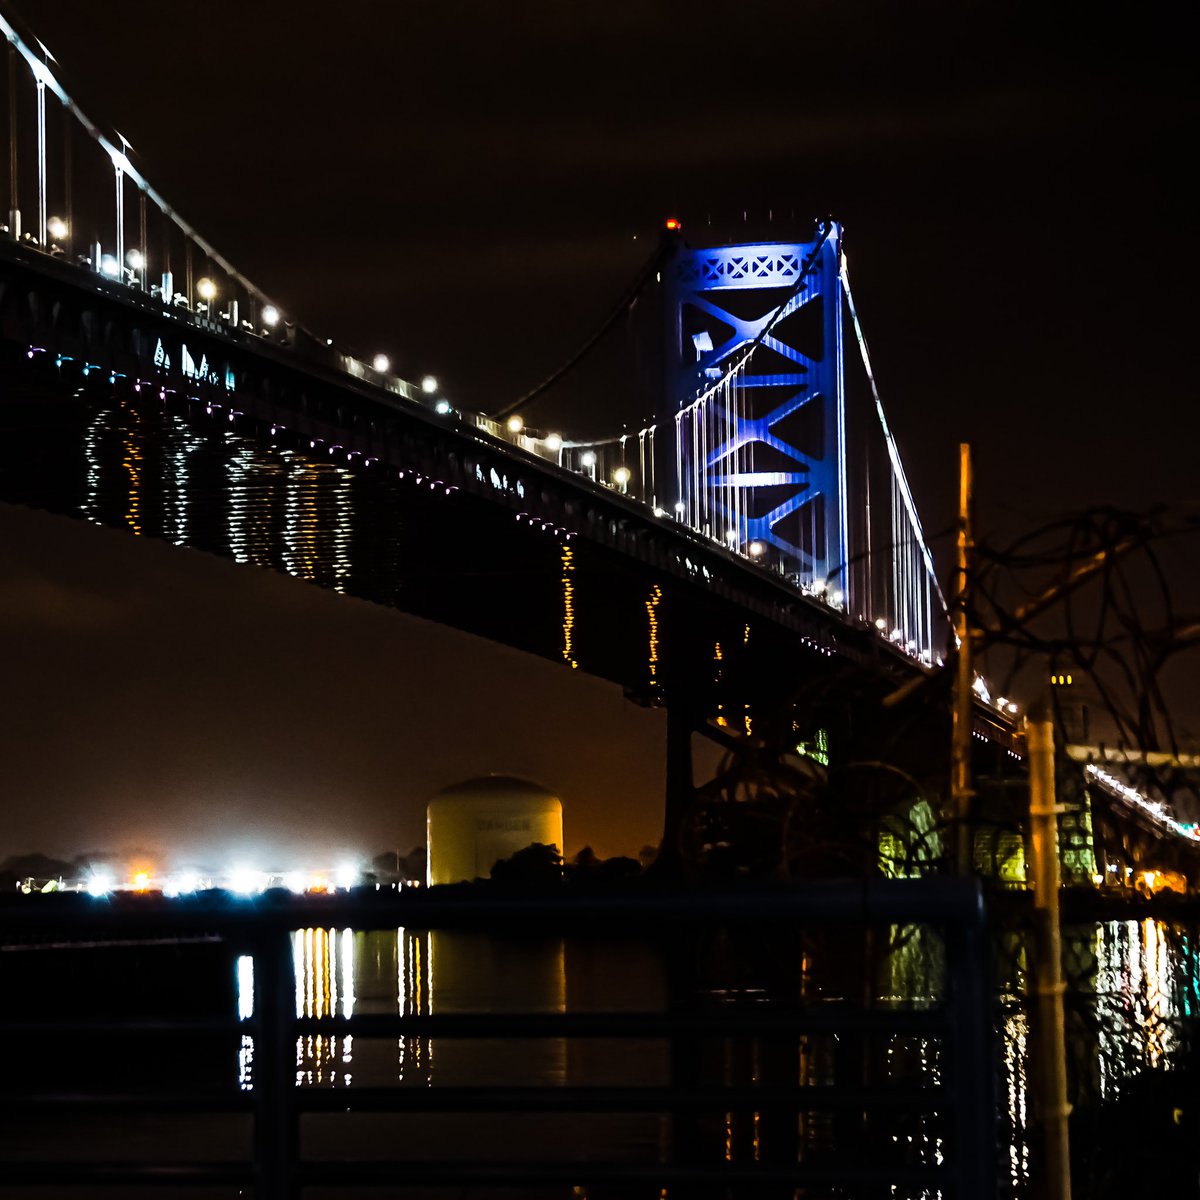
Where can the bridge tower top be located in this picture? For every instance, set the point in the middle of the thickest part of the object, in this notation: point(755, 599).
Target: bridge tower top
point(755, 392)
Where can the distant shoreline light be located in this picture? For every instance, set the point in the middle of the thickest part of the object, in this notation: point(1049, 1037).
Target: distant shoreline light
point(240, 880)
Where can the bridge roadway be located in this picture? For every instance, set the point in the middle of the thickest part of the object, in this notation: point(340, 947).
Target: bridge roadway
point(172, 425)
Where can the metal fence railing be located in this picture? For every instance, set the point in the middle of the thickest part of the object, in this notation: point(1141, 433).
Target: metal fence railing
point(739, 975)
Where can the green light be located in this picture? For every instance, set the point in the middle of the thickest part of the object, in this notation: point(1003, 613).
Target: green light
point(817, 749)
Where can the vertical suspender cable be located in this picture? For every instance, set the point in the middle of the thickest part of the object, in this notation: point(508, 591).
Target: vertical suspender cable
point(738, 490)
point(897, 564)
point(908, 586)
point(892, 561)
point(14, 200)
point(928, 620)
point(681, 491)
point(902, 563)
point(915, 602)
point(843, 501)
point(812, 544)
point(893, 452)
point(653, 472)
point(743, 462)
point(897, 601)
point(727, 461)
point(68, 198)
point(692, 476)
point(747, 451)
point(41, 154)
point(730, 465)
point(720, 431)
point(653, 491)
point(694, 473)
point(869, 606)
point(144, 238)
point(720, 440)
point(119, 177)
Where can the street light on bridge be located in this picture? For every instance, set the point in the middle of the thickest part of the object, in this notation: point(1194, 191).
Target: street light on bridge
point(515, 424)
point(381, 362)
point(207, 290)
point(135, 261)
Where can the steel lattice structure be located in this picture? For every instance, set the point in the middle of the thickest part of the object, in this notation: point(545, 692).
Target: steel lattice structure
point(747, 467)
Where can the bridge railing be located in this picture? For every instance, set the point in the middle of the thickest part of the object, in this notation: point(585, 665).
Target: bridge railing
point(852, 1122)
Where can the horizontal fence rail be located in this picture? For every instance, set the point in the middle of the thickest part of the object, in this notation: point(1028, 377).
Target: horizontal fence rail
point(958, 1094)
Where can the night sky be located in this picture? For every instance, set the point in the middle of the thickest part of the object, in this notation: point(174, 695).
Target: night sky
point(469, 187)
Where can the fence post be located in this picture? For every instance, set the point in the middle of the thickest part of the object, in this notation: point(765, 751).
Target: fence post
point(968, 966)
point(1043, 825)
point(276, 1124)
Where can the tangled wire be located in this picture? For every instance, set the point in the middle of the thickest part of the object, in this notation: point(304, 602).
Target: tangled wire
point(1090, 595)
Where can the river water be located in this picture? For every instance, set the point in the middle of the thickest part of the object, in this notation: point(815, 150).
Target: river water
point(1133, 993)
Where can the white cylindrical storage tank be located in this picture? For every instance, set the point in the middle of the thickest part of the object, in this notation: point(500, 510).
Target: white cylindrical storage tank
point(472, 825)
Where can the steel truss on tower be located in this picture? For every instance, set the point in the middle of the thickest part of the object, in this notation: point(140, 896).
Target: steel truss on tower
point(756, 392)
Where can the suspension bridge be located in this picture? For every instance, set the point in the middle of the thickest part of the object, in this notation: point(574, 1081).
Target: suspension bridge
point(738, 459)
point(754, 534)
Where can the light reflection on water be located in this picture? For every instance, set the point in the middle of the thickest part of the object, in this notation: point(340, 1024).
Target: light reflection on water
point(1143, 982)
point(339, 972)
point(1131, 984)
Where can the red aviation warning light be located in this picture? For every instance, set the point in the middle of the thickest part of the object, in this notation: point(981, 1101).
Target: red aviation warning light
point(673, 226)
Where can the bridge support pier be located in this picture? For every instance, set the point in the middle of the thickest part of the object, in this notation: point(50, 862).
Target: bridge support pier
point(680, 783)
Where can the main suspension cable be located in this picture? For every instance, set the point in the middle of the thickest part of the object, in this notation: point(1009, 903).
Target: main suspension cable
point(651, 267)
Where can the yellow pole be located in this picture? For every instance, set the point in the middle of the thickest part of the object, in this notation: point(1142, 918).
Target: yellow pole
point(961, 791)
point(1043, 828)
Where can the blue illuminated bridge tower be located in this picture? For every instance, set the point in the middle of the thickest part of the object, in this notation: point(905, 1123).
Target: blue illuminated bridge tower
point(755, 392)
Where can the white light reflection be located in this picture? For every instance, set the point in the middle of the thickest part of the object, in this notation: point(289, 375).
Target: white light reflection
point(324, 966)
point(347, 972)
point(1138, 977)
point(401, 997)
point(1016, 1080)
point(245, 987)
point(245, 1005)
point(246, 1064)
